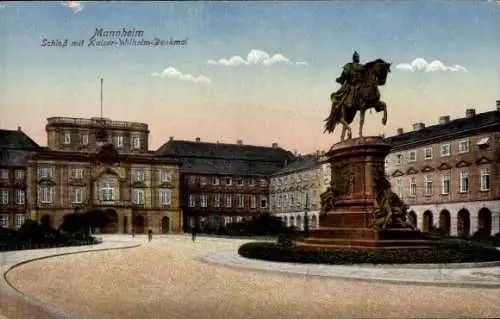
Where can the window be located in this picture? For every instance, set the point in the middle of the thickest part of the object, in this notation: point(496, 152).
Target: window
point(428, 153)
point(76, 173)
point(228, 181)
point(203, 200)
point(192, 179)
point(216, 200)
point(67, 138)
point(136, 142)
point(483, 142)
point(19, 221)
point(428, 185)
point(137, 175)
point(4, 174)
point(399, 187)
point(399, 159)
point(464, 180)
point(253, 201)
point(215, 180)
point(164, 176)
point(192, 200)
point(279, 199)
point(20, 196)
point(413, 186)
point(84, 139)
point(4, 196)
point(240, 181)
point(165, 196)
point(263, 201)
point(314, 196)
point(463, 146)
point(46, 193)
point(263, 182)
point(119, 141)
point(446, 149)
point(228, 201)
point(445, 183)
point(239, 201)
point(412, 156)
point(19, 174)
point(4, 221)
point(251, 182)
point(76, 195)
point(44, 172)
point(203, 180)
point(137, 196)
point(107, 191)
point(485, 179)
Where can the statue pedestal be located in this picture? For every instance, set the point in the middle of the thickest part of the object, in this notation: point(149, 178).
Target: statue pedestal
point(355, 164)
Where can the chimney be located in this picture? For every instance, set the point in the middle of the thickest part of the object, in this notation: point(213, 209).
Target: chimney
point(418, 126)
point(399, 131)
point(239, 142)
point(317, 155)
point(498, 105)
point(198, 139)
point(444, 119)
point(275, 145)
point(19, 128)
point(470, 112)
point(171, 138)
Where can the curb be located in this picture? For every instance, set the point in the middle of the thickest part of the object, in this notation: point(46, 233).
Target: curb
point(207, 260)
point(52, 310)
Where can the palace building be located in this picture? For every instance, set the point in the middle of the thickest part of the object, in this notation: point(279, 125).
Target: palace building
point(102, 164)
point(296, 189)
point(448, 174)
point(15, 147)
point(223, 183)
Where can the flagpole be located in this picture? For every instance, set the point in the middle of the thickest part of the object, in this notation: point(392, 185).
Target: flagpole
point(101, 97)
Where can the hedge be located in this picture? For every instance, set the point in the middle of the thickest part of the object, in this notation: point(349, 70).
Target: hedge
point(446, 251)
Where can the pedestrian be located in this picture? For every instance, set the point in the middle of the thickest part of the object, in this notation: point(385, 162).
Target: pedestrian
point(150, 235)
point(193, 234)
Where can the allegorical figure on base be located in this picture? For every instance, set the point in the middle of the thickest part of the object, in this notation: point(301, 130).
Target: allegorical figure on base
point(358, 92)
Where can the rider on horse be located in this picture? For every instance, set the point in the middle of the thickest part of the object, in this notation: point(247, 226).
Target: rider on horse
point(351, 80)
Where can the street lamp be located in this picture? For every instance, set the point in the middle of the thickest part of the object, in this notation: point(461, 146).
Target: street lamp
point(306, 218)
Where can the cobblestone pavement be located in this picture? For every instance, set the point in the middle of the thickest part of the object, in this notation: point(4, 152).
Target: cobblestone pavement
point(164, 279)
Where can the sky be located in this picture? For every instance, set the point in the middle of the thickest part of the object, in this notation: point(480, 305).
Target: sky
point(260, 72)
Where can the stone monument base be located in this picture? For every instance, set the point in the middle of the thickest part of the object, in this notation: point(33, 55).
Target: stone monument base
point(356, 165)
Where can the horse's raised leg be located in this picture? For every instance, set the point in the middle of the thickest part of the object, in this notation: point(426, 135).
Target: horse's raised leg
point(361, 121)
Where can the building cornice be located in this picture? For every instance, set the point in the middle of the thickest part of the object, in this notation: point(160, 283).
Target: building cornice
point(87, 157)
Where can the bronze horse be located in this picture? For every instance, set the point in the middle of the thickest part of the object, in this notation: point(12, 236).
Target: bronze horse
point(366, 97)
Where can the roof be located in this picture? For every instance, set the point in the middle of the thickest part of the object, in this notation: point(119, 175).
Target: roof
point(15, 146)
point(482, 122)
point(301, 163)
point(226, 159)
point(228, 167)
point(223, 151)
point(12, 157)
point(10, 139)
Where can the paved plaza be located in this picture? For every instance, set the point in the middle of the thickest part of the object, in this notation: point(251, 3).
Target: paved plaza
point(172, 277)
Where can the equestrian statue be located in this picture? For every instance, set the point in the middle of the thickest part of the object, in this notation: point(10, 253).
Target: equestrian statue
point(358, 92)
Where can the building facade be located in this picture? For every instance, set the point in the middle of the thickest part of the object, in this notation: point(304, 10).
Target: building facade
point(15, 147)
point(296, 189)
point(448, 174)
point(223, 183)
point(100, 164)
